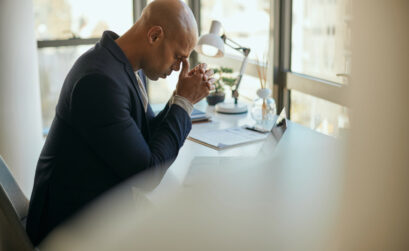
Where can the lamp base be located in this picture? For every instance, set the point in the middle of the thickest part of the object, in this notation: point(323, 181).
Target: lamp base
point(231, 108)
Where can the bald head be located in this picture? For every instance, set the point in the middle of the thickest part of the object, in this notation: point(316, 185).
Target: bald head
point(174, 16)
point(161, 39)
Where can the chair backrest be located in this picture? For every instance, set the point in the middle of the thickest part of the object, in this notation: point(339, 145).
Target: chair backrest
point(13, 213)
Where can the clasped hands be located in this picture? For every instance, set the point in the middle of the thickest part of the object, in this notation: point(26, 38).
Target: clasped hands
point(195, 84)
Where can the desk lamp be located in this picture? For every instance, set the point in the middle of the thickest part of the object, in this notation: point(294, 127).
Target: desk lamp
point(212, 45)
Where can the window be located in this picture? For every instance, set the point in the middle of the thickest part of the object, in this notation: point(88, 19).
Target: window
point(65, 29)
point(314, 58)
point(318, 114)
point(320, 38)
point(64, 19)
point(248, 24)
point(306, 42)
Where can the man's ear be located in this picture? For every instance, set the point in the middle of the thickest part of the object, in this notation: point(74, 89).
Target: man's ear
point(155, 33)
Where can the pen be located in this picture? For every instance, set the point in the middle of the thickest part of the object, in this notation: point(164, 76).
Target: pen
point(256, 129)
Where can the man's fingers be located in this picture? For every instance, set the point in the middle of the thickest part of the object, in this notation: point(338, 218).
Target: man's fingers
point(209, 72)
point(210, 86)
point(203, 67)
point(211, 80)
point(200, 68)
point(191, 72)
point(185, 67)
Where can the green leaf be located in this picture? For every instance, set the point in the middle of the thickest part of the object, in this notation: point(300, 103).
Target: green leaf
point(226, 69)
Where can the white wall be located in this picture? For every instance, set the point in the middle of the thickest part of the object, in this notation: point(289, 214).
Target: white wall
point(20, 110)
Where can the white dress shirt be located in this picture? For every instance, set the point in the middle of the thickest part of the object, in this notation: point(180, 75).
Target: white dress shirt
point(174, 100)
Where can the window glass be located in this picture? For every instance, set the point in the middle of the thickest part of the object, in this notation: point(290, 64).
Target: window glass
point(62, 19)
point(245, 22)
point(318, 114)
point(54, 64)
point(149, 1)
point(321, 38)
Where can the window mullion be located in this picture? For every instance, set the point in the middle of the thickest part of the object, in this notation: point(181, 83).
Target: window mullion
point(66, 42)
point(282, 52)
point(138, 6)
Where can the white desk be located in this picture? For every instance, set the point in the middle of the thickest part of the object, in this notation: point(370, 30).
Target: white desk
point(291, 195)
point(299, 142)
point(285, 199)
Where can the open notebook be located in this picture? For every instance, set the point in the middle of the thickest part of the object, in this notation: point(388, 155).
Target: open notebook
point(224, 138)
point(221, 139)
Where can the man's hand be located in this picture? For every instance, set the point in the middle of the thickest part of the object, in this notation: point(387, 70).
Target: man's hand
point(196, 84)
point(201, 69)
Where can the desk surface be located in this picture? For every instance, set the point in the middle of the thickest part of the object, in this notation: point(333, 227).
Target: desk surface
point(290, 190)
point(260, 196)
point(297, 141)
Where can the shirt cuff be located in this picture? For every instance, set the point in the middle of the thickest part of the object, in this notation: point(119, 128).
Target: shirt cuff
point(182, 102)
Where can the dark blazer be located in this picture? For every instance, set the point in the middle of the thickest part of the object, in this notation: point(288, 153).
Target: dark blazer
point(99, 137)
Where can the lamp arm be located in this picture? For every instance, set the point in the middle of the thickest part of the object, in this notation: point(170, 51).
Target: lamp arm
point(235, 93)
point(245, 51)
point(232, 44)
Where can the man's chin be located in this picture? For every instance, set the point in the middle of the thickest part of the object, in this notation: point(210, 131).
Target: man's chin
point(153, 78)
point(156, 77)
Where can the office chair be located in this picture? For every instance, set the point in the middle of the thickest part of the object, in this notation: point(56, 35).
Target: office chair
point(13, 213)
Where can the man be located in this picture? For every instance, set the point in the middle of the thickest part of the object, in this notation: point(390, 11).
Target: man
point(104, 131)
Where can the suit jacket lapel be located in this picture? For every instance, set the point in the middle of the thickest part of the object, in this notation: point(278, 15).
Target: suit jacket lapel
point(132, 77)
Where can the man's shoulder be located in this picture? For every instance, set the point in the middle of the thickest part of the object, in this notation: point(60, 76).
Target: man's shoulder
point(96, 67)
point(98, 63)
point(98, 58)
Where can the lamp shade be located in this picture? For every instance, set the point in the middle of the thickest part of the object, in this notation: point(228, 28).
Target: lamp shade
point(211, 44)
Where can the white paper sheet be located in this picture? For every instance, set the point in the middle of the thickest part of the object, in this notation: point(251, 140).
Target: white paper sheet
point(220, 139)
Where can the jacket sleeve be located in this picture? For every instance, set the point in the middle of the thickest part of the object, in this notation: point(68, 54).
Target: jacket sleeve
point(100, 111)
point(156, 120)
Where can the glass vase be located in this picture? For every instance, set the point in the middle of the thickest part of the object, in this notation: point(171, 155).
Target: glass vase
point(264, 107)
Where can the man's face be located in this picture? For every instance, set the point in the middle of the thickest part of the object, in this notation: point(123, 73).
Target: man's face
point(167, 56)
